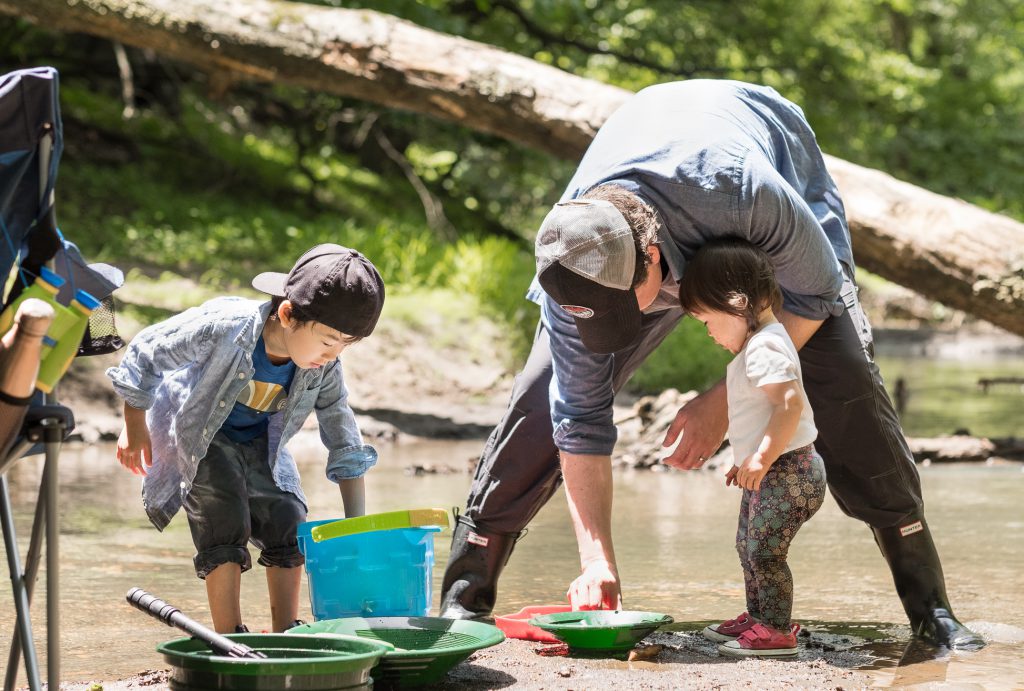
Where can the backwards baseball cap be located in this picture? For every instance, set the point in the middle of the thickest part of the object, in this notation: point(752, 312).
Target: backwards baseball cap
point(334, 285)
point(586, 260)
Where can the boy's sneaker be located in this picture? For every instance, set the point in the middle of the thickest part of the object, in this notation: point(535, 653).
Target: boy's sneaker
point(730, 629)
point(241, 628)
point(297, 622)
point(762, 640)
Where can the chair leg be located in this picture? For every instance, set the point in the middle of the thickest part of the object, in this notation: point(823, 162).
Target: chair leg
point(18, 585)
point(35, 546)
point(53, 441)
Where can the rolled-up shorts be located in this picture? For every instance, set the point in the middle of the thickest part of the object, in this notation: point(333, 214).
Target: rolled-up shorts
point(233, 501)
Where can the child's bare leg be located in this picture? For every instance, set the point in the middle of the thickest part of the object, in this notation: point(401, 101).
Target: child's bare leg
point(223, 590)
point(283, 586)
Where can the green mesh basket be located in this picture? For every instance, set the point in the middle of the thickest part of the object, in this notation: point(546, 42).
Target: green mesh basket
point(425, 648)
point(293, 663)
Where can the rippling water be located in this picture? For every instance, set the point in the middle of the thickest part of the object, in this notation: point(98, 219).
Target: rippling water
point(673, 533)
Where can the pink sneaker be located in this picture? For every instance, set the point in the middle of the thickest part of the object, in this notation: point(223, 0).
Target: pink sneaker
point(761, 640)
point(729, 629)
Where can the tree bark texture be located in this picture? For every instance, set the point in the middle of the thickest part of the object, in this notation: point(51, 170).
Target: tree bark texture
point(945, 249)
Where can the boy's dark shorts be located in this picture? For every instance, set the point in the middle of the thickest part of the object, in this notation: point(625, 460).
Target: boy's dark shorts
point(233, 501)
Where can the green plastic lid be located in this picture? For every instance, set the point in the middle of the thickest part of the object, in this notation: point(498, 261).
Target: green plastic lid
point(410, 518)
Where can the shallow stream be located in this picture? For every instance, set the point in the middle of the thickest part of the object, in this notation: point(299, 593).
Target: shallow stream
point(673, 534)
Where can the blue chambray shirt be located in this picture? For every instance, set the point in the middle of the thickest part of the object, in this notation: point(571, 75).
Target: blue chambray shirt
point(713, 158)
point(187, 371)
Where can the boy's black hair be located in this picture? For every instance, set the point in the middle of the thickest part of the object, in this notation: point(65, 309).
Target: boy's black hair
point(301, 317)
point(733, 276)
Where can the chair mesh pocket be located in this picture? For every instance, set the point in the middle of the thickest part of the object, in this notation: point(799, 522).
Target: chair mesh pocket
point(101, 334)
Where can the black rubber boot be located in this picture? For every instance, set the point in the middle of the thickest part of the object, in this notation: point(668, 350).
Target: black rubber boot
point(917, 573)
point(470, 585)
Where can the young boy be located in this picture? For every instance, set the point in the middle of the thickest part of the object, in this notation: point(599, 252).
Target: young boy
point(211, 397)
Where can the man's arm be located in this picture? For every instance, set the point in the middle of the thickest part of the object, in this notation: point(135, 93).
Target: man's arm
point(588, 487)
point(704, 421)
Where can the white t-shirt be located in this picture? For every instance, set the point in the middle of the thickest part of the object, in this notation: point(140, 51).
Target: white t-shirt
point(769, 357)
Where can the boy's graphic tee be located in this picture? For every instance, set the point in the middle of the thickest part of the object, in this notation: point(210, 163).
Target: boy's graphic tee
point(266, 393)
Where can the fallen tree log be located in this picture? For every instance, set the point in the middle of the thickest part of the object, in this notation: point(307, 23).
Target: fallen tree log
point(947, 250)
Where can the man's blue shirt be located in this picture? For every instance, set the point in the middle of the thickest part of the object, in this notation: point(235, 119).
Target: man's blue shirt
point(713, 158)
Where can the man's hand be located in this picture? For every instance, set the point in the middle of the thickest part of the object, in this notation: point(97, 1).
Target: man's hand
point(703, 423)
point(752, 471)
point(596, 588)
point(134, 448)
point(730, 477)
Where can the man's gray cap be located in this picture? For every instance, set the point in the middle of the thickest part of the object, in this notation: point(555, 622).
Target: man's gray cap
point(586, 261)
point(589, 237)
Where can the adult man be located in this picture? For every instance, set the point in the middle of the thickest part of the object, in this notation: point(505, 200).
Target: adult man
point(676, 165)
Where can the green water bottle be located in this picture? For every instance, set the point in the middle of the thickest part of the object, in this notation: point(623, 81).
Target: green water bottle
point(57, 360)
point(45, 287)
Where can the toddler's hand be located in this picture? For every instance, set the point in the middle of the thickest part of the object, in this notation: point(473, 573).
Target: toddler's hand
point(752, 471)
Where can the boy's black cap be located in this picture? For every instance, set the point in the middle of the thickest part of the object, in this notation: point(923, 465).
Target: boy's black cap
point(334, 285)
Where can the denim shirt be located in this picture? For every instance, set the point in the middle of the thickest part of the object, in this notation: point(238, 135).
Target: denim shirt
point(712, 158)
point(187, 371)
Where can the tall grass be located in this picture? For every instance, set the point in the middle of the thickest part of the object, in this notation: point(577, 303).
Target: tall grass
point(203, 198)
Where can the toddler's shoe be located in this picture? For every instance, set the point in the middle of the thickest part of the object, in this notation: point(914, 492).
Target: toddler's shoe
point(729, 629)
point(762, 640)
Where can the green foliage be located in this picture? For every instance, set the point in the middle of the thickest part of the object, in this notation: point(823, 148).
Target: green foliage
point(687, 360)
point(928, 91)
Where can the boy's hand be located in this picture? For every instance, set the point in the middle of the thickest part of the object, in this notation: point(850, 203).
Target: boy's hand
point(752, 471)
point(134, 448)
point(730, 477)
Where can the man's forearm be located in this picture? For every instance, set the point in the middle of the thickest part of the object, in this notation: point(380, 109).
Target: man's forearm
point(588, 487)
point(800, 329)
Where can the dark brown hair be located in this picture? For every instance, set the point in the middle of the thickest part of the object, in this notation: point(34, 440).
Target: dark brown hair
point(301, 318)
point(642, 220)
point(733, 276)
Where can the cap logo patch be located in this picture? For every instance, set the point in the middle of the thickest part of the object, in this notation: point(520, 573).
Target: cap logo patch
point(579, 312)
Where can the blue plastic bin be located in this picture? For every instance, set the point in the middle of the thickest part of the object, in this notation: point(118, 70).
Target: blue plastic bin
point(382, 573)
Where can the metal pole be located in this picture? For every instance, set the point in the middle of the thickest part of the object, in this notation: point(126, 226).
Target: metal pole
point(35, 545)
point(24, 623)
point(54, 435)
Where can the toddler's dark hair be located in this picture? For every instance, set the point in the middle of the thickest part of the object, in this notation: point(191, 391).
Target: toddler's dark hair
point(301, 317)
point(733, 276)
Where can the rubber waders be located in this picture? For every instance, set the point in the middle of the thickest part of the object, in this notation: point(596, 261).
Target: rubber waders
point(917, 573)
point(470, 584)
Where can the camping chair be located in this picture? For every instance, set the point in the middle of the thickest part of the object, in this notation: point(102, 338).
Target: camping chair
point(30, 147)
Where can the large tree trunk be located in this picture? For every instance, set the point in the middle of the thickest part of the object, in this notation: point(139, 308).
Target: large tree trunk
point(950, 251)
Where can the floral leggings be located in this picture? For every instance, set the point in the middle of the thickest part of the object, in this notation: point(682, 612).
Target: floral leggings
point(791, 492)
